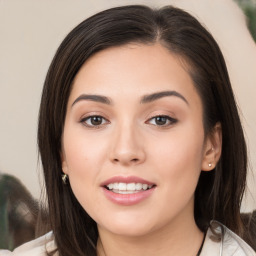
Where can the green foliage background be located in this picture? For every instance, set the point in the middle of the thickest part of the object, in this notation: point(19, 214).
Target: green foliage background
point(249, 8)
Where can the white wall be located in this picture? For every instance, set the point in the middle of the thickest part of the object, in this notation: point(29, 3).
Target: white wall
point(30, 32)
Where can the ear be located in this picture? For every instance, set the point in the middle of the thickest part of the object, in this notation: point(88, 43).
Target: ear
point(212, 148)
point(64, 163)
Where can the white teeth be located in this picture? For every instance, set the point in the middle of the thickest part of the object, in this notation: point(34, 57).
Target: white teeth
point(138, 186)
point(128, 188)
point(111, 186)
point(144, 186)
point(115, 186)
point(122, 186)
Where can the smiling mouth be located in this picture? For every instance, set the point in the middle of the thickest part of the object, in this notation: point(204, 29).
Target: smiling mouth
point(128, 188)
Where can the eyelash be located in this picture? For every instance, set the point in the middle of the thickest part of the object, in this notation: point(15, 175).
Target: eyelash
point(166, 118)
point(85, 119)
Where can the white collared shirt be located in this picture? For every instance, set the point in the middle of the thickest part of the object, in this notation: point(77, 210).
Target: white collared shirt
point(224, 242)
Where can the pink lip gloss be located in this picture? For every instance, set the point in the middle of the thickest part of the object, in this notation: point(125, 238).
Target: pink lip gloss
point(131, 198)
point(128, 199)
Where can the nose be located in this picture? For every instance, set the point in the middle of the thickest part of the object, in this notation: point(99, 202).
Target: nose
point(127, 146)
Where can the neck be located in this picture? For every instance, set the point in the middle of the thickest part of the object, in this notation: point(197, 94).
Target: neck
point(178, 238)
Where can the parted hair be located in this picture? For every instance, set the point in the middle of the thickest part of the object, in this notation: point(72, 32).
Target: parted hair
point(219, 193)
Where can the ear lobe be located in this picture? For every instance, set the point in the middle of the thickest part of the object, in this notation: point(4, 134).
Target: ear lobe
point(64, 164)
point(64, 167)
point(212, 150)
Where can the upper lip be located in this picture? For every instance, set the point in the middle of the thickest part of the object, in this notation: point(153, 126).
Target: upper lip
point(126, 179)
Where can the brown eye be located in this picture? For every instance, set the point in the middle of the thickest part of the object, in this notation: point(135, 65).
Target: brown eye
point(162, 121)
point(94, 121)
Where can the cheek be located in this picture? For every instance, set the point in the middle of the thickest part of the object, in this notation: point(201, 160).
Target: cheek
point(178, 161)
point(83, 163)
point(83, 154)
point(181, 147)
point(84, 157)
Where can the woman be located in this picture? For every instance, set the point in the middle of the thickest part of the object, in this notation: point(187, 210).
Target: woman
point(140, 140)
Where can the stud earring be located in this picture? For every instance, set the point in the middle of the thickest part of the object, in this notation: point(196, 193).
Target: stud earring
point(64, 178)
point(210, 165)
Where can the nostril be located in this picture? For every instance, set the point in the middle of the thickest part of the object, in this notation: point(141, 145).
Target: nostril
point(133, 160)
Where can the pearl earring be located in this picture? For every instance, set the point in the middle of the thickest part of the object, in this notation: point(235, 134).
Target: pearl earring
point(210, 165)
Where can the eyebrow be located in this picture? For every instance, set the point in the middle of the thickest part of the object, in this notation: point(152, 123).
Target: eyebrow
point(158, 95)
point(145, 99)
point(92, 97)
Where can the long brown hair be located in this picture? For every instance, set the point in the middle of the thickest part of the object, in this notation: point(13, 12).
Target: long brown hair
point(219, 193)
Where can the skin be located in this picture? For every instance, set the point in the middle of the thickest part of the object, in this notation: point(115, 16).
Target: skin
point(129, 142)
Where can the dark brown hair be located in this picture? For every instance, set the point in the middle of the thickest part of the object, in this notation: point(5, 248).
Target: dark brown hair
point(219, 193)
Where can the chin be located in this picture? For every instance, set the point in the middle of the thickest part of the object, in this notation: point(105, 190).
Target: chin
point(127, 227)
point(130, 231)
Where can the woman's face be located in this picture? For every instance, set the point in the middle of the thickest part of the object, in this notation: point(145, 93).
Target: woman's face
point(133, 144)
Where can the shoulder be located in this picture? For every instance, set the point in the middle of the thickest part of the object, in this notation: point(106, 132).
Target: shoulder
point(221, 241)
point(37, 247)
point(233, 244)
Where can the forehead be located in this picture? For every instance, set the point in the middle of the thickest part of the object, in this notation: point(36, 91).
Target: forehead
point(133, 69)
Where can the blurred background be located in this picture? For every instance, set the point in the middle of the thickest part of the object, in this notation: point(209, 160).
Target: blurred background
point(31, 31)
